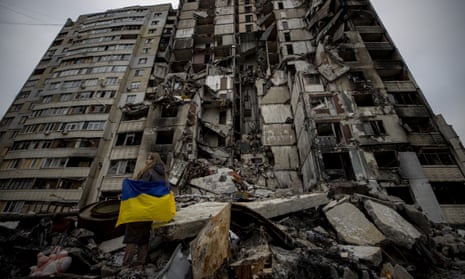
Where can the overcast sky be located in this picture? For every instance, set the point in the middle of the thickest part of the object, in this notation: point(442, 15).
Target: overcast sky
point(429, 34)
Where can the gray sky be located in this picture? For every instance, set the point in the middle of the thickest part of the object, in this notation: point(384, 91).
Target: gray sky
point(428, 33)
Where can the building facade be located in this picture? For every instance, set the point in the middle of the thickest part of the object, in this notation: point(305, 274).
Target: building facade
point(295, 96)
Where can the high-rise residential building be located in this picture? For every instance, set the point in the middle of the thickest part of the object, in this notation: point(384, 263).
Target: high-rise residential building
point(295, 96)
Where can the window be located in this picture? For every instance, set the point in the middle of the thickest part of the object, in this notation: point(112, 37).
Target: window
point(280, 5)
point(248, 28)
point(135, 84)
point(374, 128)
point(94, 125)
point(16, 107)
point(65, 97)
point(364, 100)
point(169, 111)
point(133, 138)
point(142, 61)
point(72, 126)
point(287, 36)
point(165, 137)
point(130, 99)
point(248, 18)
point(111, 81)
point(405, 98)
point(148, 41)
point(312, 79)
point(285, 25)
point(248, 9)
point(145, 50)
point(347, 54)
point(139, 73)
point(122, 167)
point(83, 95)
point(46, 99)
point(91, 82)
point(155, 22)
point(55, 163)
point(152, 31)
point(290, 49)
point(436, 157)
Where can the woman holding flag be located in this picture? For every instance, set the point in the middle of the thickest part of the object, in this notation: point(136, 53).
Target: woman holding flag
point(137, 234)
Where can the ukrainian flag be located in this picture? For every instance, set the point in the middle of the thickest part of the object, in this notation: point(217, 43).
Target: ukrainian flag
point(146, 201)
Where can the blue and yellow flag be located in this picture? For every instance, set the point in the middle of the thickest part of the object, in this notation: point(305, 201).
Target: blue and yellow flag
point(146, 201)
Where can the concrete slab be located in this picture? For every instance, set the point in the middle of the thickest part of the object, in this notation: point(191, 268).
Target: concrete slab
point(352, 226)
point(394, 227)
point(282, 206)
point(112, 245)
point(368, 254)
point(190, 220)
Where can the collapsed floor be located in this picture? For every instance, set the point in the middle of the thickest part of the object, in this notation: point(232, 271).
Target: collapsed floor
point(344, 233)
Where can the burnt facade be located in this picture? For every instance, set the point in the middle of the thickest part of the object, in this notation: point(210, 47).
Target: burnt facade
point(294, 96)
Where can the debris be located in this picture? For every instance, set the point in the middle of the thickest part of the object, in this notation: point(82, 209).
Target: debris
point(352, 226)
point(394, 227)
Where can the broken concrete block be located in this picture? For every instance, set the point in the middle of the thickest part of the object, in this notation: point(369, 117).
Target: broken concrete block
point(112, 245)
point(392, 224)
point(352, 226)
point(368, 254)
point(282, 206)
point(190, 220)
point(218, 183)
point(211, 246)
point(401, 273)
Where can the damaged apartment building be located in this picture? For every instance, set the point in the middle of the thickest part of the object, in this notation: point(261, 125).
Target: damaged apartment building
point(293, 96)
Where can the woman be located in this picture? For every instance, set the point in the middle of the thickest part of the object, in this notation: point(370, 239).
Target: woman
point(137, 234)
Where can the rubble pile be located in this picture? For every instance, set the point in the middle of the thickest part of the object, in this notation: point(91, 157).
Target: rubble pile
point(318, 235)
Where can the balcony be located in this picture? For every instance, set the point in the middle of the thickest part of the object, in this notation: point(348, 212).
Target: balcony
point(443, 173)
point(411, 111)
point(400, 86)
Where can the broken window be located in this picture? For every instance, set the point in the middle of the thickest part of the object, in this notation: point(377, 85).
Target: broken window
point(418, 125)
point(374, 128)
point(165, 137)
point(285, 25)
point(358, 80)
point(347, 54)
point(290, 49)
point(401, 192)
point(122, 167)
point(89, 143)
point(449, 192)
point(312, 79)
point(45, 183)
point(222, 117)
point(79, 162)
point(69, 183)
point(435, 157)
point(363, 100)
point(132, 138)
point(386, 159)
point(287, 36)
point(169, 111)
point(331, 131)
point(338, 166)
point(405, 98)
